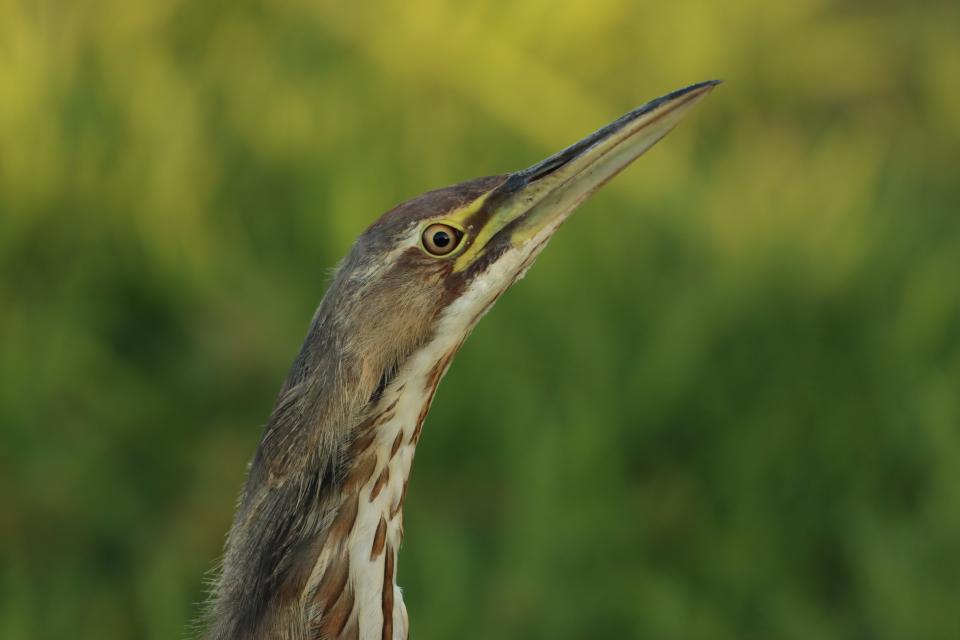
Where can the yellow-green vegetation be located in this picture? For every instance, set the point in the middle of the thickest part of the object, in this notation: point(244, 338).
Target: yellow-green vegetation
point(724, 404)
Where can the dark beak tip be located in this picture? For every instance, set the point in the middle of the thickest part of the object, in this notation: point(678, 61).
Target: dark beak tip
point(704, 86)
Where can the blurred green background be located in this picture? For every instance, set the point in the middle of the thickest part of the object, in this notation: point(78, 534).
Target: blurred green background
point(724, 404)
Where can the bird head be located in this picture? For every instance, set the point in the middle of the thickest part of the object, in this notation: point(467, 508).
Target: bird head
point(428, 269)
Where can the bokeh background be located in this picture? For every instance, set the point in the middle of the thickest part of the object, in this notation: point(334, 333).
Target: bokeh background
point(724, 404)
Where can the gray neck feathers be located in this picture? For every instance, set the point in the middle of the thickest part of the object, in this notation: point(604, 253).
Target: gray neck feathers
point(293, 484)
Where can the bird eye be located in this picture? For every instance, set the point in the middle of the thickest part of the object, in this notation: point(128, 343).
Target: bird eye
point(441, 239)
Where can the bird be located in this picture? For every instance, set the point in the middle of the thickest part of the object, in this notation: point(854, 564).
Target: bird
point(312, 550)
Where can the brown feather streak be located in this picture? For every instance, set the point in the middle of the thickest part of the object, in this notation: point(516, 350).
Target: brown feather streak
point(387, 595)
point(380, 483)
point(379, 539)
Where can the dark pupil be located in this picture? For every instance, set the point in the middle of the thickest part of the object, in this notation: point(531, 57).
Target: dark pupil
point(441, 239)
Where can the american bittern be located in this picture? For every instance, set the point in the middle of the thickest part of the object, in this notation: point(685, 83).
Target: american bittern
point(312, 550)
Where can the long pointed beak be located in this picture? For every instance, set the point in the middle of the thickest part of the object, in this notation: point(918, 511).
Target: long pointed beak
point(629, 136)
point(539, 198)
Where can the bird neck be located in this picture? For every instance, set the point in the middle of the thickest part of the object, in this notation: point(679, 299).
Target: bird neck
point(313, 551)
point(353, 583)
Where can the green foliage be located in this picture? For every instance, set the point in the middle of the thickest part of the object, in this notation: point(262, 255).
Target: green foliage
point(724, 404)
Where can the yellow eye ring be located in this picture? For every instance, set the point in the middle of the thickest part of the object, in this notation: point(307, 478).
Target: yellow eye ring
point(440, 239)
